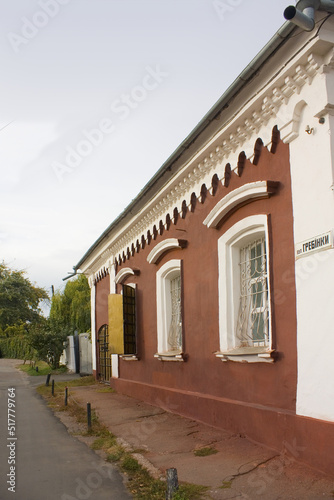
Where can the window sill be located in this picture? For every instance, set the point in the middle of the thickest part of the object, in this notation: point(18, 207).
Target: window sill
point(247, 355)
point(129, 357)
point(169, 356)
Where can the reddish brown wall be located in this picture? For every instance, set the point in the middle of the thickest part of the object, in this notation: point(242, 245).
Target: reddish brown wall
point(239, 396)
point(266, 384)
point(101, 303)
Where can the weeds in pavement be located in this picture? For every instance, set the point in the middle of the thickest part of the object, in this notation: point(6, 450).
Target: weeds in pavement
point(104, 442)
point(142, 485)
point(106, 389)
point(205, 452)
point(226, 485)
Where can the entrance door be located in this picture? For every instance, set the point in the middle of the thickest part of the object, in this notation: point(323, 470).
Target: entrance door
point(104, 355)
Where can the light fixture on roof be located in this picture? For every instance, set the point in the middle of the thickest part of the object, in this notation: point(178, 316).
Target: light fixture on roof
point(303, 13)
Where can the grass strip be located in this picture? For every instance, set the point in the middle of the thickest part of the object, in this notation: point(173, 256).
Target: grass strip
point(40, 368)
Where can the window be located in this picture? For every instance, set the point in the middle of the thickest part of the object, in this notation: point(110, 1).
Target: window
point(122, 322)
point(174, 340)
point(244, 292)
point(253, 319)
point(129, 319)
point(169, 311)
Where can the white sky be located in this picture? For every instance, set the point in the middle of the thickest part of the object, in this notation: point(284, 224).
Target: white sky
point(66, 66)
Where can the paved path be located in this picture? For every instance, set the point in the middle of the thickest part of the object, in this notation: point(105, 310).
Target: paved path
point(239, 470)
point(49, 463)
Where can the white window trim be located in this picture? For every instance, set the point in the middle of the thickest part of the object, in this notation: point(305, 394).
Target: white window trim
point(163, 247)
point(124, 273)
point(229, 289)
point(244, 194)
point(129, 357)
point(164, 274)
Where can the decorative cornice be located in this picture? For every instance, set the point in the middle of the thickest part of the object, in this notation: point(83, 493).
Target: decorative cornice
point(242, 127)
point(98, 275)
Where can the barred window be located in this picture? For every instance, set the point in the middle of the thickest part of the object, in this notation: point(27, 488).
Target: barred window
point(245, 320)
point(129, 319)
point(253, 316)
point(175, 329)
point(169, 311)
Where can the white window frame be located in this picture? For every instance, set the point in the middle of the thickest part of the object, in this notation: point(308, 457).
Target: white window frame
point(229, 245)
point(164, 275)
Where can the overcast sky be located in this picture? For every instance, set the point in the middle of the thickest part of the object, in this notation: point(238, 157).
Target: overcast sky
point(95, 96)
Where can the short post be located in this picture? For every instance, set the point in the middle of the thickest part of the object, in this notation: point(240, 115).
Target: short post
point(53, 388)
point(48, 379)
point(172, 483)
point(89, 416)
point(66, 395)
point(36, 368)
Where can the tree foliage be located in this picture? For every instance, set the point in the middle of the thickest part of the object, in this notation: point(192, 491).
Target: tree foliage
point(19, 300)
point(48, 339)
point(72, 306)
point(69, 313)
point(16, 347)
point(25, 331)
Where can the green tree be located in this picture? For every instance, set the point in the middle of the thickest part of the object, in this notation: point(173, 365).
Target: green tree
point(71, 307)
point(48, 339)
point(20, 300)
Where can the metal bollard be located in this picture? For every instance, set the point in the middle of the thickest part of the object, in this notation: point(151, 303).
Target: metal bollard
point(89, 417)
point(172, 483)
point(48, 379)
point(53, 388)
point(66, 395)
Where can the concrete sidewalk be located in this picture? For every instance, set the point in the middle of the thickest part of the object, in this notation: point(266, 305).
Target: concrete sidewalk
point(239, 469)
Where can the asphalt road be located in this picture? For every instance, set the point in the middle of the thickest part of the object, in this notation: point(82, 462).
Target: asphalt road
point(40, 460)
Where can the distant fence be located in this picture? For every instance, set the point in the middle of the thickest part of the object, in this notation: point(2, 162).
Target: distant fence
point(78, 354)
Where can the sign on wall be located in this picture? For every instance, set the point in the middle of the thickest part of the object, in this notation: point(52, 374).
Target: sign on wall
point(315, 244)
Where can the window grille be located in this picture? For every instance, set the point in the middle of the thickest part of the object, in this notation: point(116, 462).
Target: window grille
point(129, 319)
point(175, 329)
point(253, 316)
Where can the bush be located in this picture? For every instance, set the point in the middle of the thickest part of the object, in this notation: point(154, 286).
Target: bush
point(49, 339)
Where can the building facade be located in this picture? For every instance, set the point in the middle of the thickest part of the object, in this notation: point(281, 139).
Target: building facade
point(212, 293)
